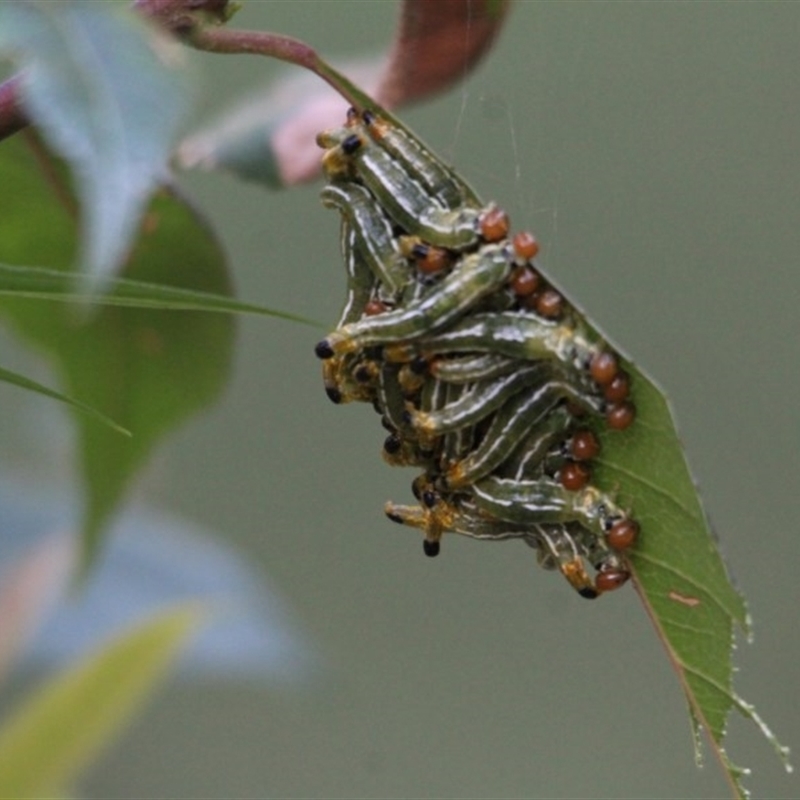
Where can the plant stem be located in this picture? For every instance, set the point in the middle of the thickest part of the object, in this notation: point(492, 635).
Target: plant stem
point(273, 45)
point(12, 117)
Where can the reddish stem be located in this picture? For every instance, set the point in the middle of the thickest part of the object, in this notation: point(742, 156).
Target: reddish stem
point(274, 45)
point(48, 167)
point(12, 117)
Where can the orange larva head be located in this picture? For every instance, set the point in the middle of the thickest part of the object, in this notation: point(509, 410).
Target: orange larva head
point(611, 579)
point(618, 388)
point(430, 260)
point(524, 281)
point(584, 445)
point(623, 534)
point(525, 246)
point(603, 368)
point(574, 475)
point(620, 415)
point(374, 307)
point(550, 304)
point(377, 126)
point(494, 224)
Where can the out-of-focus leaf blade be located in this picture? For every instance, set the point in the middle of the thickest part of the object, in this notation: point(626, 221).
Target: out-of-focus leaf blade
point(146, 368)
point(16, 379)
point(49, 284)
point(678, 570)
point(101, 86)
point(57, 732)
point(150, 560)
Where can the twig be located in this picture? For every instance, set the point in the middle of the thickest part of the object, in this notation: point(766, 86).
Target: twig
point(12, 117)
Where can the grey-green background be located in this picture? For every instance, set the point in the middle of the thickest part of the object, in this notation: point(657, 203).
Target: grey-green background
point(653, 148)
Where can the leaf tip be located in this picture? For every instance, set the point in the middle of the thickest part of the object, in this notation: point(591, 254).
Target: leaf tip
point(748, 711)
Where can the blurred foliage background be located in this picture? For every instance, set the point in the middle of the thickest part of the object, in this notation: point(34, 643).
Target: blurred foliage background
point(652, 149)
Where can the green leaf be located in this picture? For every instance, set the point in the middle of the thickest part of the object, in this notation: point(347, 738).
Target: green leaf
point(16, 379)
point(62, 728)
point(678, 571)
point(99, 83)
point(145, 368)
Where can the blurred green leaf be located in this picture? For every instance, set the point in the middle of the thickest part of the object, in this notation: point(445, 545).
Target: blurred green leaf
point(61, 729)
point(102, 87)
point(145, 368)
point(50, 284)
point(678, 570)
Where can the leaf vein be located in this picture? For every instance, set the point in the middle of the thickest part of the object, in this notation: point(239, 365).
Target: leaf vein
point(654, 487)
point(668, 623)
point(683, 576)
point(715, 684)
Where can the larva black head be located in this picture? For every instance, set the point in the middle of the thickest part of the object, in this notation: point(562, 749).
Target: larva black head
point(323, 350)
point(351, 144)
point(430, 548)
point(588, 592)
point(419, 365)
point(362, 373)
point(429, 498)
point(420, 250)
point(368, 117)
point(334, 395)
point(392, 444)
